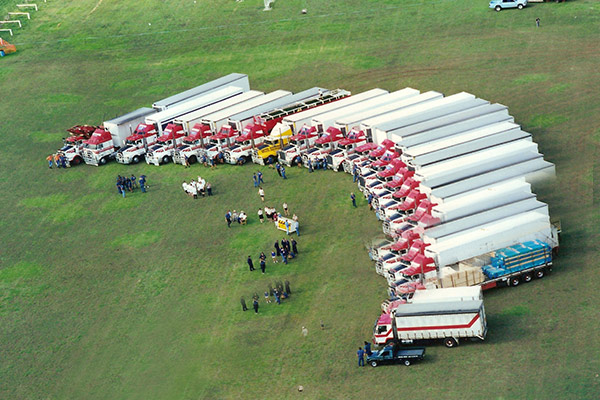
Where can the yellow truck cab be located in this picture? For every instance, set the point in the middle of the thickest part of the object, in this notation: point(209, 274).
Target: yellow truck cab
point(266, 153)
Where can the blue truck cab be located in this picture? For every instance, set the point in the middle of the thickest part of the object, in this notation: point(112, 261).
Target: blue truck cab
point(500, 5)
point(395, 354)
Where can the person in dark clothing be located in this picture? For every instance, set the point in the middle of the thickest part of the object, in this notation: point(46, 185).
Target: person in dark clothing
point(277, 249)
point(361, 357)
point(263, 265)
point(255, 304)
point(294, 246)
point(262, 256)
point(353, 198)
point(278, 168)
point(287, 287)
point(228, 218)
point(368, 348)
point(243, 301)
point(250, 263)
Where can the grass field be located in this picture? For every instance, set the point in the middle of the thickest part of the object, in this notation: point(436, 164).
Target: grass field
point(104, 297)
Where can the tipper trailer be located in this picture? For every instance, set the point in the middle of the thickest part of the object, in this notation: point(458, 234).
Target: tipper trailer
point(449, 316)
point(234, 79)
point(104, 143)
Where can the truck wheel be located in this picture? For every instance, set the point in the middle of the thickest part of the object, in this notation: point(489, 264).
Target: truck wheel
point(515, 280)
point(520, 6)
point(136, 159)
point(539, 274)
point(407, 362)
point(165, 160)
point(76, 161)
point(527, 278)
point(450, 342)
point(373, 364)
point(102, 161)
point(242, 160)
point(498, 8)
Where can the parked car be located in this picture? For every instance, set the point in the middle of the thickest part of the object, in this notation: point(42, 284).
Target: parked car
point(500, 5)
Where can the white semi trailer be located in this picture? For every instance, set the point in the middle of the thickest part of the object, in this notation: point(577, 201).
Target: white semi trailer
point(234, 79)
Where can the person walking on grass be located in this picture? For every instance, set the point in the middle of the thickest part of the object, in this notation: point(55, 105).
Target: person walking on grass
point(250, 263)
point(361, 357)
point(261, 216)
point(277, 249)
point(259, 175)
point(278, 168)
point(261, 193)
point(294, 244)
point(243, 302)
point(255, 304)
point(274, 257)
point(255, 180)
point(228, 218)
point(353, 198)
point(283, 172)
point(263, 265)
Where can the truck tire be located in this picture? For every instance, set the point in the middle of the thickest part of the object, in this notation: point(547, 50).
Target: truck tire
point(520, 6)
point(165, 160)
point(450, 342)
point(540, 273)
point(136, 159)
point(102, 161)
point(407, 362)
point(527, 278)
point(373, 363)
point(76, 161)
point(498, 8)
point(514, 281)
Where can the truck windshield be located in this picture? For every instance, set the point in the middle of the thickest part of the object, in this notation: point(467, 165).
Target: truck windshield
point(65, 148)
point(322, 145)
point(91, 146)
point(289, 146)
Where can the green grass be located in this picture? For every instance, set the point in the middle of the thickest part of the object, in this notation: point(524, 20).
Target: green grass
point(105, 297)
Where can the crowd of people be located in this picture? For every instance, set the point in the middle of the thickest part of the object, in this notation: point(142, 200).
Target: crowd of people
point(320, 163)
point(279, 291)
point(197, 188)
point(59, 160)
point(129, 184)
point(241, 218)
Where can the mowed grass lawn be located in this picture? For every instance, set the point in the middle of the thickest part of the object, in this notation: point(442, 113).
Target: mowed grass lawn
point(104, 297)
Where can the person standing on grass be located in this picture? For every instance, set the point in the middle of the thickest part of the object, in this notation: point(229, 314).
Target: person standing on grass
point(261, 217)
point(368, 348)
point(354, 173)
point(49, 159)
point(259, 175)
point(283, 172)
point(361, 357)
point(261, 193)
point(297, 227)
point(278, 168)
point(287, 226)
point(263, 265)
point(255, 304)
point(267, 297)
point(250, 263)
point(255, 180)
point(228, 218)
point(353, 198)
point(370, 201)
point(294, 244)
point(285, 209)
point(274, 257)
point(133, 183)
point(243, 302)
point(310, 167)
point(537, 22)
point(143, 183)
point(277, 249)
point(208, 189)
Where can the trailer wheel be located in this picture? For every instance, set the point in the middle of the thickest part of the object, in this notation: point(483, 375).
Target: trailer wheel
point(527, 278)
point(407, 362)
point(136, 159)
point(450, 342)
point(102, 161)
point(515, 280)
point(520, 6)
point(498, 8)
point(373, 364)
point(539, 274)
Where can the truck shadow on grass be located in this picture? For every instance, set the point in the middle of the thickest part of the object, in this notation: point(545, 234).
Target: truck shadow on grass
point(508, 326)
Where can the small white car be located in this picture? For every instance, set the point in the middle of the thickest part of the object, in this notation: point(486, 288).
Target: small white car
point(500, 5)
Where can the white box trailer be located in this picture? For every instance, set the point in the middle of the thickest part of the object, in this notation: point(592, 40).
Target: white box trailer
point(235, 79)
point(386, 104)
point(161, 119)
point(188, 121)
point(423, 112)
point(450, 124)
point(482, 239)
point(464, 293)
point(240, 120)
point(218, 119)
point(476, 163)
point(368, 126)
point(296, 121)
point(323, 121)
point(122, 127)
point(485, 193)
point(469, 221)
point(532, 171)
point(463, 143)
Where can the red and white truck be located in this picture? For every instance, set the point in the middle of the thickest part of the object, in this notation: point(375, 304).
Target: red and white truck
point(137, 144)
point(162, 151)
point(72, 148)
point(449, 315)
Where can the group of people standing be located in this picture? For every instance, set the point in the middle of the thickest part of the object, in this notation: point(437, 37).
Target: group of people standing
point(280, 170)
point(287, 250)
point(320, 163)
point(240, 218)
point(128, 184)
point(195, 188)
point(257, 178)
point(279, 291)
point(59, 160)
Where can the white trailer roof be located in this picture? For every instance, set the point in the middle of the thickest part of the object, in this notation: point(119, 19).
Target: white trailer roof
point(464, 143)
point(194, 104)
point(247, 105)
point(489, 237)
point(507, 186)
point(235, 79)
point(278, 101)
point(408, 104)
point(447, 294)
point(381, 105)
point(439, 307)
point(450, 124)
point(531, 170)
point(222, 105)
point(470, 220)
point(327, 119)
point(123, 119)
point(310, 113)
point(490, 159)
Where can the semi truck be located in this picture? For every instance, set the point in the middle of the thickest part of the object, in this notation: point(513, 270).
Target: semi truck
point(162, 151)
point(107, 141)
point(197, 133)
point(449, 315)
point(265, 153)
point(234, 79)
point(254, 132)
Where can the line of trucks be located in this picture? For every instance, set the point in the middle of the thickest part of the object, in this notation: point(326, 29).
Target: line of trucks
point(450, 178)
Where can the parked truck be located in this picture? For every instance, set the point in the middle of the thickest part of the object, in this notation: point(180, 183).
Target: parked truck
point(104, 143)
point(266, 152)
point(162, 151)
point(234, 79)
point(254, 130)
point(72, 148)
point(396, 354)
point(448, 315)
